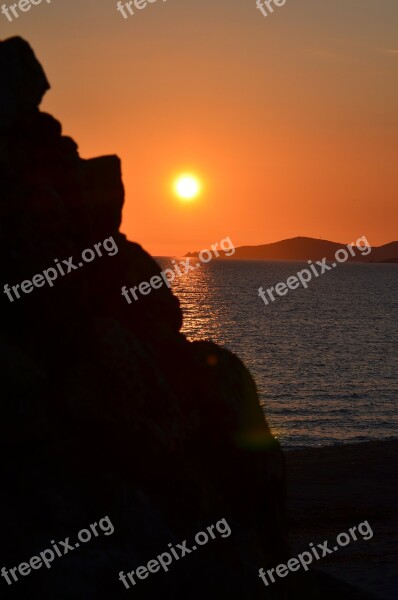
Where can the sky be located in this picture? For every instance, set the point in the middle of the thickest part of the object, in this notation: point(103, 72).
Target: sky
point(290, 121)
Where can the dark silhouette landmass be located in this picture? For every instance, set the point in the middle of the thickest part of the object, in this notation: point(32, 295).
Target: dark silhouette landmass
point(106, 409)
point(305, 248)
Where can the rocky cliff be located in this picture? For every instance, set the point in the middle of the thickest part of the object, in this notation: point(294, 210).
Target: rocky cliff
point(106, 408)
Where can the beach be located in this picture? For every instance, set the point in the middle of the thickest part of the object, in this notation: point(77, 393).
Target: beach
point(332, 489)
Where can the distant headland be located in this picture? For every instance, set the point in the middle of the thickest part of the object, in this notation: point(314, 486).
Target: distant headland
point(306, 248)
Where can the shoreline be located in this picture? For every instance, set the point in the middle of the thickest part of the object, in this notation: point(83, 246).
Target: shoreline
point(290, 449)
point(333, 488)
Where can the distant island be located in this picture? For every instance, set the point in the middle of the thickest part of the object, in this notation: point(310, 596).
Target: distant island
point(306, 248)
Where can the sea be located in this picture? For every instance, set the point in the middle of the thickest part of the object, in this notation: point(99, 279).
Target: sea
point(325, 358)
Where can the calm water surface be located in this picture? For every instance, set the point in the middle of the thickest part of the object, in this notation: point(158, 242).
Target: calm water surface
point(325, 359)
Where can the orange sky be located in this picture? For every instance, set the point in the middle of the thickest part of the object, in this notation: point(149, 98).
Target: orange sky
point(290, 120)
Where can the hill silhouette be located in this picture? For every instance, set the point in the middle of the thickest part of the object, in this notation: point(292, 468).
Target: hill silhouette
point(307, 248)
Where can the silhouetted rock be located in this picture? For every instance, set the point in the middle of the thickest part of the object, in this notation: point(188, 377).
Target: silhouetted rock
point(23, 82)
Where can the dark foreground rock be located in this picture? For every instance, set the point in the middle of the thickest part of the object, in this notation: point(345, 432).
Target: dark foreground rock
point(106, 409)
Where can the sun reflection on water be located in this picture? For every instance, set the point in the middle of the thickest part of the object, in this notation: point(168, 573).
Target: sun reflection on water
point(197, 292)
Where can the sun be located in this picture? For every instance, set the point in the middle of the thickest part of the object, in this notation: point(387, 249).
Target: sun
point(187, 186)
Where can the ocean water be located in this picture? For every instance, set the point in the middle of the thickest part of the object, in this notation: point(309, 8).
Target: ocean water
point(325, 358)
